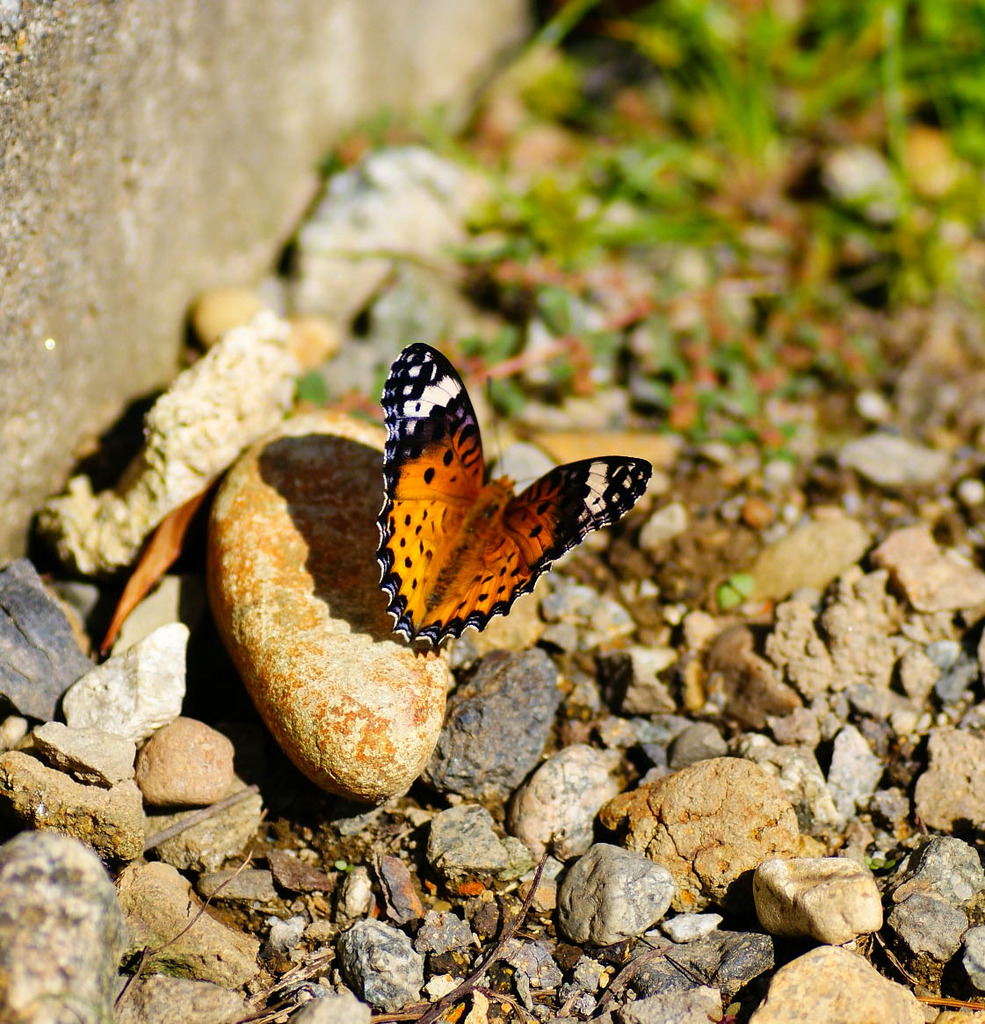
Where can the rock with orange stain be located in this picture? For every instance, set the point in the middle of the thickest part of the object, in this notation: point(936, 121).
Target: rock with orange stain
point(294, 588)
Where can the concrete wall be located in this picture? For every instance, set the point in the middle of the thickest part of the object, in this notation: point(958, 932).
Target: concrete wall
point(153, 148)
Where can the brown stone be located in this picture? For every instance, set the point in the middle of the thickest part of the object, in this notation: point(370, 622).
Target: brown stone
point(294, 588)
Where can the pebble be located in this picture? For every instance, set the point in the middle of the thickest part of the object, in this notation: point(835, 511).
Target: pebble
point(61, 931)
point(662, 527)
point(39, 655)
point(497, 726)
point(645, 693)
point(402, 902)
point(946, 868)
point(928, 927)
point(697, 1006)
point(917, 674)
point(709, 824)
point(555, 809)
point(463, 844)
point(285, 933)
point(221, 309)
point(206, 845)
point(158, 905)
point(12, 730)
point(746, 685)
point(297, 875)
point(952, 789)
point(800, 777)
point(836, 986)
point(931, 579)
point(108, 820)
point(811, 556)
point(829, 899)
point(690, 927)
point(697, 742)
point(381, 965)
point(872, 406)
point(238, 885)
point(89, 755)
point(442, 932)
point(611, 894)
point(958, 671)
point(891, 461)
point(161, 1000)
point(341, 1008)
point(598, 619)
point(185, 763)
point(799, 728)
point(971, 492)
point(133, 693)
point(726, 959)
point(535, 962)
point(854, 771)
point(973, 957)
point(294, 591)
point(797, 650)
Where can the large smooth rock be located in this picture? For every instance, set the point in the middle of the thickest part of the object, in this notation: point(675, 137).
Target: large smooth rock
point(294, 588)
point(149, 154)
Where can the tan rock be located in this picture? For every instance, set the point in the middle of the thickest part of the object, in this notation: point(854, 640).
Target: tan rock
point(831, 984)
point(708, 824)
point(952, 789)
point(185, 762)
point(221, 309)
point(294, 589)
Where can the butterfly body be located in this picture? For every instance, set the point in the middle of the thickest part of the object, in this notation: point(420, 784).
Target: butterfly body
point(455, 549)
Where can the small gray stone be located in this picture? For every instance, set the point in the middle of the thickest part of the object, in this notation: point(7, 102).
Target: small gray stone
point(854, 772)
point(946, 868)
point(343, 1008)
point(90, 755)
point(890, 461)
point(830, 899)
point(496, 726)
point(204, 847)
point(136, 692)
point(462, 843)
point(380, 964)
point(973, 957)
point(108, 820)
point(39, 655)
point(555, 809)
point(664, 525)
point(158, 907)
point(690, 927)
point(696, 1006)
point(238, 885)
point(928, 926)
point(696, 743)
point(162, 1000)
point(612, 894)
point(440, 933)
point(285, 934)
point(61, 932)
point(536, 963)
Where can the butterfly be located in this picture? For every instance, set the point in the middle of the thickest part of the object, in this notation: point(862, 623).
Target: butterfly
point(455, 550)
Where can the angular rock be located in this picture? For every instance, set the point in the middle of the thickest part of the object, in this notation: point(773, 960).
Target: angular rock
point(946, 868)
point(831, 984)
point(380, 964)
point(238, 885)
point(928, 927)
point(709, 824)
point(90, 755)
point(109, 820)
point(697, 742)
point(812, 556)
point(854, 771)
point(697, 1006)
point(795, 647)
point(462, 844)
point(555, 809)
point(39, 655)
point(440, 933)
point(611, 894)
point(158, 905)
point(61, 932)
point(952, 790)
point(829, 899)
point(294, 590)
point(497, 726)
point(133, 693)
point(162, 1000)
point(890, 461)
point(933, 580)
point(343, 1008)
point(690, 927)
point(185, 763)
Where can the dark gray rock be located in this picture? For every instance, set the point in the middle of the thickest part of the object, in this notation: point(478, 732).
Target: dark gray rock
point(61, 931)
point(440, 933)
point(612, 894)
point(536, 962)
point(945, 868)
point(158, 999)
point(380, 964)
point(725, 960)
point(496, 727)
point(928, 927)
point(696, 743)
point(39, 655)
